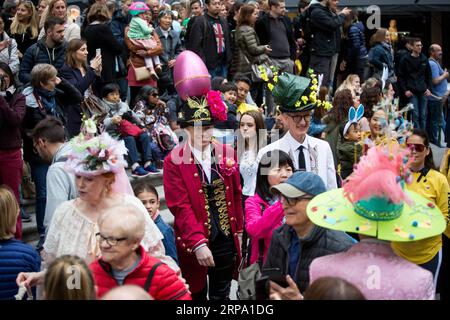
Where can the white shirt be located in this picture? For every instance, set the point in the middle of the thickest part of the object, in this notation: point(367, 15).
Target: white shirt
point(204, 159)
point(248, 167)
point(294, 144)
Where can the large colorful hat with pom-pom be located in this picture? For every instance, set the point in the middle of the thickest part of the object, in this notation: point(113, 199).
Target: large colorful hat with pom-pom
point(374, 201)
point(137, 8)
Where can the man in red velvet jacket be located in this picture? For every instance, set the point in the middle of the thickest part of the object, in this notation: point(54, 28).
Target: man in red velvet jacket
point(125, 262)
point(203, 192)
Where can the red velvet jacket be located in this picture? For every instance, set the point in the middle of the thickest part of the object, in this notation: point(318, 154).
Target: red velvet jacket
point(165, 283)
point(186, 201)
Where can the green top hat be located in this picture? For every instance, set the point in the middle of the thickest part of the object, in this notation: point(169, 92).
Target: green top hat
point(294, 93)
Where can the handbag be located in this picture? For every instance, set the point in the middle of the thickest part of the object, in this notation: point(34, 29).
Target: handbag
point(141, 73)
point(92, 106)
point(256, 72)
point(126, 128)
point(248, 276)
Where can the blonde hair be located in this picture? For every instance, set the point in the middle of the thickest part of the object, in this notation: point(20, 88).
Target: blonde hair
point(9, 210)
point(69, 278)
point(21, 28)
point(43, 17)
point(129, 221)
point(348, 84)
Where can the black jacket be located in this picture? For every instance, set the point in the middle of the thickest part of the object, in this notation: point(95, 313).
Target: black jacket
point(202, 41)
point(73, 111)
point(320, 242)
point(325, 29)
point(40, 53)
point(414, 74)
point(101, 36)
point(262, 28)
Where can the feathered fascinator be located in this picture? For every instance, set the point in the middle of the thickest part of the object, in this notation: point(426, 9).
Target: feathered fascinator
point(95, 156)
point(382, 173)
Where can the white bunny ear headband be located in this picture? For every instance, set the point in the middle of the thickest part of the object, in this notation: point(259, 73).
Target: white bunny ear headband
point(354, 115)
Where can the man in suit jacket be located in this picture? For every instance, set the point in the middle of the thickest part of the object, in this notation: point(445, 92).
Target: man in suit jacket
point(296, 99)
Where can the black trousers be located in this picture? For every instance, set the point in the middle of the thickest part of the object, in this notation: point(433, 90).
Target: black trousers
point(219, 276)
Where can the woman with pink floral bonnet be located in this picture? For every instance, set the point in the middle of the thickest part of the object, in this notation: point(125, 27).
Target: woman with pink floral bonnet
point(98, 165)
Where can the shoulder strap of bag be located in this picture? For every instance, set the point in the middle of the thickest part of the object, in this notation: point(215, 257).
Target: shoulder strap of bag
point(148, 282)
point(261, 242)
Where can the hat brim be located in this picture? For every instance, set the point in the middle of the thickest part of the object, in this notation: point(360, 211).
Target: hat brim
point(287, 190)
point(294, 109)
point(421, 220)
point(184, 124)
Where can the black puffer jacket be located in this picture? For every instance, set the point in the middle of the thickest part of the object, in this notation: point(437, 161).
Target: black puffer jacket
point(325, 29)
point(320, 242)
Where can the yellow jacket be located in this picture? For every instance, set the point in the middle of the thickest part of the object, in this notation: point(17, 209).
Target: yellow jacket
point(433, 186)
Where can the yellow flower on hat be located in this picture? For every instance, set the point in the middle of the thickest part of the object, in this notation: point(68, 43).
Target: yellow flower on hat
point(327, 105)
point(319, 103)
point(314, 81)
point(304, 99)
point(312, 97)
point(270, 86)
point(313, 87)
point(298, 104)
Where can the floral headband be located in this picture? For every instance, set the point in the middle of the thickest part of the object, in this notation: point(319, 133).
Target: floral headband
point(95, 156)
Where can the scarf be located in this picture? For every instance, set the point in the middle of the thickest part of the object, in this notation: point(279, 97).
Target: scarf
point(48, 99)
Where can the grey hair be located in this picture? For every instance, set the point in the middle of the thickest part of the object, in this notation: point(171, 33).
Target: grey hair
point(129, 220)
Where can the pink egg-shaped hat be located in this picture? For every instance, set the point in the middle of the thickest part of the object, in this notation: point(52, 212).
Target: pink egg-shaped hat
point(190, 75)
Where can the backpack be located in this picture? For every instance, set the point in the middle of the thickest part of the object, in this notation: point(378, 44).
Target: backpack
point(163, 135)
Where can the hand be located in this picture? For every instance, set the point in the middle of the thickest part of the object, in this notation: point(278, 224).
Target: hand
point(116, 119)
point(301, 41)
point(58, 80)
point(445, 74)
point(346, 11)
point(19, 54)
point(268, 49)
point(96, 63)
point(204, 257)
point(171, 63)
point(30, 279)
point(142, 53)
point(408, 94)
point(161, 104)
point(5, 44)
point(427, 93)
point(290, 293)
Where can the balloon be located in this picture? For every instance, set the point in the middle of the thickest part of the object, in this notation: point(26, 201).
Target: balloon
point(190, 75)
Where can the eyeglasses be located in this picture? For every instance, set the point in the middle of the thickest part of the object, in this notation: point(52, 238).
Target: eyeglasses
point(416, 146)
point(293, 201)
point(109, 240)
point(155, 94)
point(299, 117)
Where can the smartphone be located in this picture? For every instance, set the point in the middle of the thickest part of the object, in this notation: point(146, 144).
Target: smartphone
point(275, 275)
point(98, 52)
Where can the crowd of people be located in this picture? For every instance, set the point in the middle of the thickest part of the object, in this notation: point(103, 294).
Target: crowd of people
point(271, 136)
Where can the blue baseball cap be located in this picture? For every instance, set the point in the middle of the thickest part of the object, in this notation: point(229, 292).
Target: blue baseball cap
point(299, 184)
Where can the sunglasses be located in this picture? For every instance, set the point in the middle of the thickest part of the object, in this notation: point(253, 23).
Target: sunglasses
point(293, 201)
point(416, 146)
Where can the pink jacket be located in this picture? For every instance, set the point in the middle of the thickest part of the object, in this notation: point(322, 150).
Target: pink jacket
point(377, 271)
point(260, 225)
